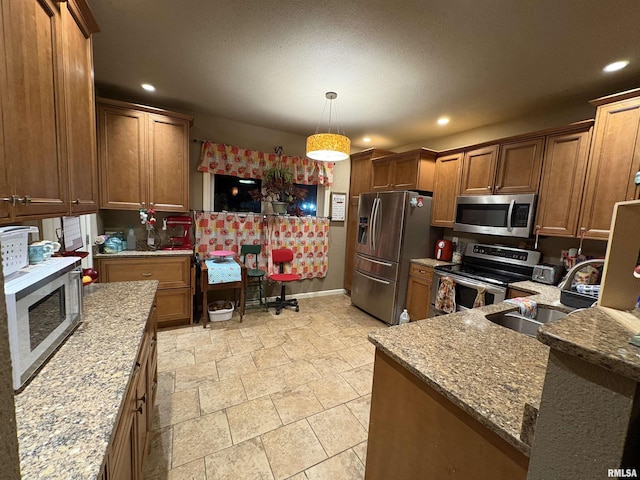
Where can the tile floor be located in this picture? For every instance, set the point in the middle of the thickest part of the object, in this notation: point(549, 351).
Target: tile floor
point(274, 397)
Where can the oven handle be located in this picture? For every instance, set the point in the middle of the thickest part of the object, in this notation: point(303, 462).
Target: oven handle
point(465, 282)
point(509, 215)
point(78, 274)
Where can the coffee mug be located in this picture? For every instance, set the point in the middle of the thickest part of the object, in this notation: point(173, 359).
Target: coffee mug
point(49, 247)
point(36, 254)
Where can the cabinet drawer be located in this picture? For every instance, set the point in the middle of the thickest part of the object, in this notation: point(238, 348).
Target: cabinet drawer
point(170, 272)
point(426, 273)
point(174, 307)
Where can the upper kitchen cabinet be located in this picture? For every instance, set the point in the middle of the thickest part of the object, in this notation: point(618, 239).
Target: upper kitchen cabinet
point(445, 190)
point(613, 162)
point(143, 156)
point(562, 184)
point(77, 27)
point(46, 97)
point(360, 182)
point(510, 168)
point(412, 170)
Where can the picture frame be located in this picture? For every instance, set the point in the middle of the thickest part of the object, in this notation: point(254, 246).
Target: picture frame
point(338, 207)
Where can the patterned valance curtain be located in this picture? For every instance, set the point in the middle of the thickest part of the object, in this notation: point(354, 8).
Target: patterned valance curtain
point(308, 237)
point(239, 162)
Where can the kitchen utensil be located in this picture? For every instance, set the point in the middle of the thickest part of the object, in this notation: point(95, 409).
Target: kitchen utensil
point(179, 227)
point(444, 250)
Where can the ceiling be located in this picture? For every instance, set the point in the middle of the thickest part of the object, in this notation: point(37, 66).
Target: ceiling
point(397, 66)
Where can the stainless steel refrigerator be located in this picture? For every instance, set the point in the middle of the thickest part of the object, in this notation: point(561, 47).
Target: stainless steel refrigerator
point(393, 228)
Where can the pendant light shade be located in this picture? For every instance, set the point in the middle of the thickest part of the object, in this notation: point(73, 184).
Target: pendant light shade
point(328, 147)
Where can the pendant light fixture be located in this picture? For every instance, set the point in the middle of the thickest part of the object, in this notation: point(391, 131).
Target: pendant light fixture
point(328, 147)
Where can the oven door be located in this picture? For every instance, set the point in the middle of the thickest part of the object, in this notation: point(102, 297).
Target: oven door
point(466, 292)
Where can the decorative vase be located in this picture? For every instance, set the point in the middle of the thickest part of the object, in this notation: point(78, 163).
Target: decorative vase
point(279, 207)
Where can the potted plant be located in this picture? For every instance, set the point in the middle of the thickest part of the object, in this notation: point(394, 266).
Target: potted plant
point(279, 189)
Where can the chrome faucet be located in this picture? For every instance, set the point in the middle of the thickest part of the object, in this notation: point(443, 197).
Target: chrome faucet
point(565, 284)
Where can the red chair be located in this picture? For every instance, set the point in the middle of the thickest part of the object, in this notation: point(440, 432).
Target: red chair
point(280, 257)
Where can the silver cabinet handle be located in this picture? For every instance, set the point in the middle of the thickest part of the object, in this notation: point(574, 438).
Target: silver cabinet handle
point(488, 187)
point(373, 278)
point(148, 274)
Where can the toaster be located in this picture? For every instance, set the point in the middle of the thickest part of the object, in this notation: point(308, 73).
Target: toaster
point(547, 273)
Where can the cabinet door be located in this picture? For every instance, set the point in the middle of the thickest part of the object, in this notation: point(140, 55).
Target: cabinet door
point(122, 461)
point(360, 181)
point(140, 417)
point(446, 189)
point(170, 272)
point(174, 307)
point(519, 167)
point(405, 173)
point(381, 175)
point(352, 232)
point(479, 170)
point(418, 298)
point(5, 190)
point(121, 158)
point(564, 170)
point(168, 163)
point(613, 162)
point(33, 111)
point(80, 111)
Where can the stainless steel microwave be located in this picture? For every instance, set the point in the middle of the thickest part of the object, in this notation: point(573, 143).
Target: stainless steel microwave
point(504, 215)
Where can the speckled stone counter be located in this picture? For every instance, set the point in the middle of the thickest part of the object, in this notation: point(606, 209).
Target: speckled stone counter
point(67, 413)
point(429, 262)
point(145, 253)
point(487, 370)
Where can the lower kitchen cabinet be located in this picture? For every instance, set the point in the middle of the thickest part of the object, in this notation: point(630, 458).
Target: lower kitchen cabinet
point(419, 291)
point(175, 294)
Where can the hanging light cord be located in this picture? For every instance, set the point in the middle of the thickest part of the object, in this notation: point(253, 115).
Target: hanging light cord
point(330, 100)
point(322, 115)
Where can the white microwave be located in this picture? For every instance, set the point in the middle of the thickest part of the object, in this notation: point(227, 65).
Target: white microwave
point(44, 306)
point(504, 215)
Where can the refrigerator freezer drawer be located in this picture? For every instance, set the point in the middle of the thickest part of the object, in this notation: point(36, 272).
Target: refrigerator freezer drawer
point(377, 267)
point(375, 296)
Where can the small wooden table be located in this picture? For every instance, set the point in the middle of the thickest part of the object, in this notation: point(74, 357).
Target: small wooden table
point(206, 287)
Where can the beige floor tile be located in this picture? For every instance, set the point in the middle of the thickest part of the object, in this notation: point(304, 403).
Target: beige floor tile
point(218, 395)
point(176, 407)
point(327, 344)
point(244, 345)
point(252, 418)
point(360, 379)
point(325, 328)
point(361, 451)
point(175, 359)
point(351, 340)
point(280, 324)
point(158, 461)
point(255, 330)
point(332, 391)
point(200, 437)
point(299, 372)
point(166, 384)
point(301, 321)
point(189, 471)
point(247, 460)
point(299, 476)
point(300, 334)
point(273, 339)
point(216, 350)
point(345, 466)
point(195, 339)
point(330, 364)
point(264, 382)
point(361, 408)
point(195, 375)
point(270, 357)
point(296, 404)
point(357, 356)
point(300, 350)
point(236, 366)
point(337, 429)
point(166, 343)
point(225, 333)
point(292, 448)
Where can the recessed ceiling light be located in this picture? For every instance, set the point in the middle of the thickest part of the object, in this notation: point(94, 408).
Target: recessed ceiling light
point(615, 66)
point(366, 139)
point(148, 87)
point(443, 120)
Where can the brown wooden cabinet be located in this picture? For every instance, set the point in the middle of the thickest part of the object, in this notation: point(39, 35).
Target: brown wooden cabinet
point(360, 182)
point(562, 184)
point(174, 298)
point(419, 291)
point(510, 168)
point(613, 162)
point(143, 157)
point(446, 188)
point(412, 170)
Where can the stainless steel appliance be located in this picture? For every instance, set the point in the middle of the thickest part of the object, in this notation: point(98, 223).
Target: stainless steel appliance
point(44, 306)
point(547, 273)
point(393, 228)
point(504, 215)
point(489, 266)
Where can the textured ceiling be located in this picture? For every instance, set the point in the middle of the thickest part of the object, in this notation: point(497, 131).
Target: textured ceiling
point(397, 65)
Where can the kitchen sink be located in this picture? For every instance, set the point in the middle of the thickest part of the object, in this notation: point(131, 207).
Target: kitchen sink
point(521, 324)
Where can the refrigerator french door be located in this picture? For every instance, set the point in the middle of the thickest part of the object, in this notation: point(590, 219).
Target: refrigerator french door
point(393, 228)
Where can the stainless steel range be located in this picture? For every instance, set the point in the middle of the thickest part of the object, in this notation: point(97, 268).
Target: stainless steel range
point(492, 267)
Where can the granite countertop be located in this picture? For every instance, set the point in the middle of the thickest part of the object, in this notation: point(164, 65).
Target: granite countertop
point(487, 370)
point(429, 262)
point(66, 415)
point(145, 253)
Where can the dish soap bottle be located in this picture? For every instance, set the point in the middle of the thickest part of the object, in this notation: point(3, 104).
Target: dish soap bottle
point(131, 239)
point(404, 317)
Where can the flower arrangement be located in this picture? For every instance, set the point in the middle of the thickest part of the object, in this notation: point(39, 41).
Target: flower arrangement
point(278, 186)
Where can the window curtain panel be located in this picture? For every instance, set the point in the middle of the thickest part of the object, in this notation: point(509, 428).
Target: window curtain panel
point(222, 159)
point(308, 237)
